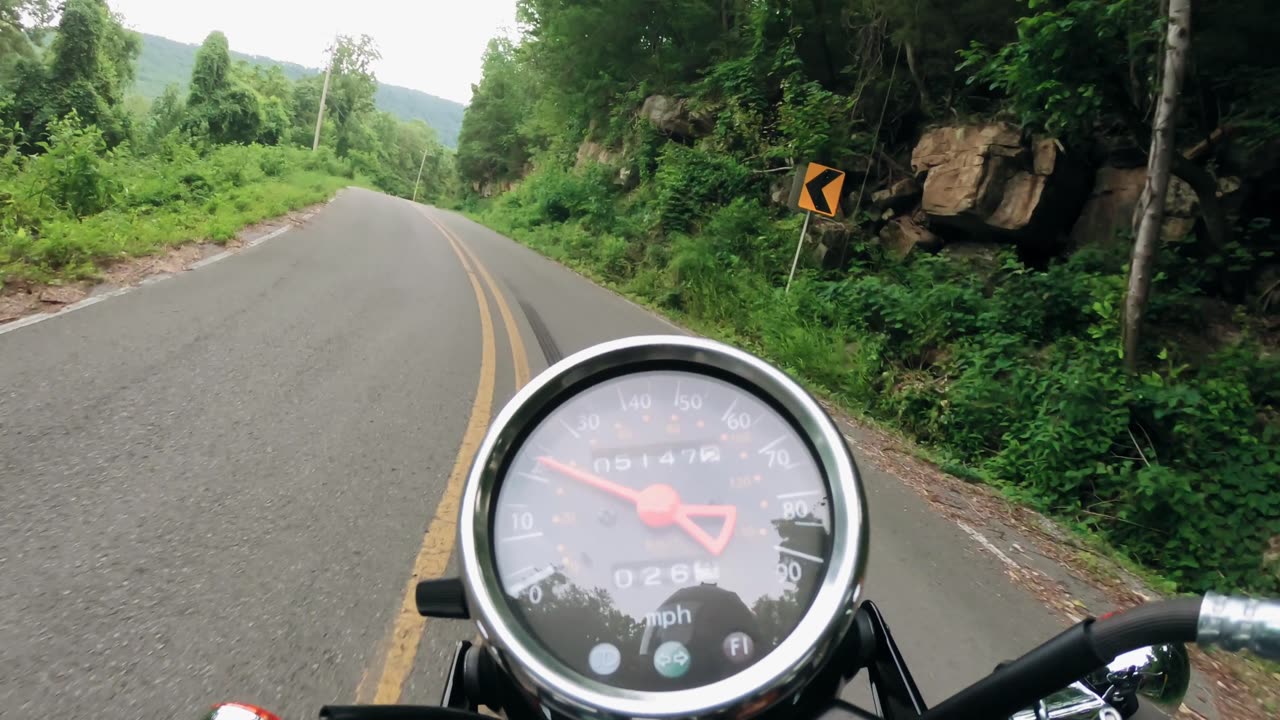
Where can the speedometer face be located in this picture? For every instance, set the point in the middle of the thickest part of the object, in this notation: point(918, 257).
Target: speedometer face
point(662, 530)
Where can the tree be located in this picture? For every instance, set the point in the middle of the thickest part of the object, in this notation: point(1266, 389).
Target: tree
point(221, 107)
point(1159, 163)
point(211, 75)
point(598, 49)
point(90, 68)
point(352, 88)
point(21, 24)
point(165, 115)
point(490, 146)
point(394, 150)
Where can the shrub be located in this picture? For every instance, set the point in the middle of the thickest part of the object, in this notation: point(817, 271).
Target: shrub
point(66, 211)
point(70, 172)
point(691, 182)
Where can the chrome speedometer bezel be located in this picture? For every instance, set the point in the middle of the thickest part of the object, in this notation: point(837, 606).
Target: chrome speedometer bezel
point(776, 675)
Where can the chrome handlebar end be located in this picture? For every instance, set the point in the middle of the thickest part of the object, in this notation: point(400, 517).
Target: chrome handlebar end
point(1074, 702)
point(1239, 623)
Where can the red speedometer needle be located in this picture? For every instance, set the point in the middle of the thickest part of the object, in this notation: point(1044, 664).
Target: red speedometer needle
point(612, 488)
point(659, 505)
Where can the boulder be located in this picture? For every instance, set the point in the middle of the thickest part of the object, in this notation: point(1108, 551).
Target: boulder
point(590, 151)
point(986, 181)
point(1232, 192)
point(824, 257)
point(62, 294)
point(902, 236)
point(945, 145)
point(628, 178)
point(899, 196)
point(830, 233)
point(780, 189)
point(1118, 150)
point(672, 116)
point(830, 241)
point(490, 188)
point(1110, 205)
point(1109, 208)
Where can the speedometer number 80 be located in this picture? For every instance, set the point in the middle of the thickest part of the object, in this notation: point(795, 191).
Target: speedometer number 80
point(793, 509)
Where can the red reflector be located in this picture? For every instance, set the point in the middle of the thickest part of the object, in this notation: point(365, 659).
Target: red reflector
point(241, 711)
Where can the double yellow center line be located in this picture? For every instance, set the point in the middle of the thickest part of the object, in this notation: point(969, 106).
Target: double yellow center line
point(401, 646)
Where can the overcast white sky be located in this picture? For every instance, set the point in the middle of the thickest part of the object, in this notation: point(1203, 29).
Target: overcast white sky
point(429, 45)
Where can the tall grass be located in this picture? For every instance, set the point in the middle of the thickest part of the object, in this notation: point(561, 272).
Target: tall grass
point(68, 211)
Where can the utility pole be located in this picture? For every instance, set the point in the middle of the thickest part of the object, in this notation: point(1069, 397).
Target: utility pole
point(324, 95)
point(420, 166)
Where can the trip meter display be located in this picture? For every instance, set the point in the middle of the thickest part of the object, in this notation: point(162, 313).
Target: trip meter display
point(661, 530)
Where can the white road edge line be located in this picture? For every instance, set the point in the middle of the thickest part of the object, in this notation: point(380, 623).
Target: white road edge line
point(990, 546)
point(977, 536)
point(210, 260)
point(41, 317)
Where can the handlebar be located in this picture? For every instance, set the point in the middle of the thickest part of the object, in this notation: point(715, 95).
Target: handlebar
point(1233, 623)
point(1069, 657)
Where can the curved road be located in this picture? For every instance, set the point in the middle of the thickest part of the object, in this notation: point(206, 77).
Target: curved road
point(217, 486)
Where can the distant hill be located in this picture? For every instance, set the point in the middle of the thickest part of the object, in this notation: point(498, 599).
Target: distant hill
point(163, 61)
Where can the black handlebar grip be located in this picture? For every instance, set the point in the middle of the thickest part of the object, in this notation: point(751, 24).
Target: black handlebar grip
point(443, 598)
point(1071, 656)
point(1045, 670)
point(1169, 621)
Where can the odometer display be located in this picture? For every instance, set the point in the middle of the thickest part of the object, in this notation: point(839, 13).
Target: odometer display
point(661, 530)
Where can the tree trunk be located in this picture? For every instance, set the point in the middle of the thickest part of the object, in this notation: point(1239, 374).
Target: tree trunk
point(1159, 164)
point(916, 77)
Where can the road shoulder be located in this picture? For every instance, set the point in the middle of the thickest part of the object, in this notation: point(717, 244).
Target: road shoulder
point(24, 303)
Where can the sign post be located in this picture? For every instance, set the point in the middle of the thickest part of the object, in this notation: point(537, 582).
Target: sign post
point(818, 191)
point(796, 260)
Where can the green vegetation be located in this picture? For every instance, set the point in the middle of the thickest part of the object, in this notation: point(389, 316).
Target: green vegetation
point(87, 178)
point(1006, 363)
point(75, 207)
point(163, 62)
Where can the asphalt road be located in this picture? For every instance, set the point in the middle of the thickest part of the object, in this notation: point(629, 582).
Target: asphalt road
point(216, 486)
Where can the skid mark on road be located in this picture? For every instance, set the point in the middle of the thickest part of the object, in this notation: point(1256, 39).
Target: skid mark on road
point(550, 351)
point(437, 544)
point(519, 359)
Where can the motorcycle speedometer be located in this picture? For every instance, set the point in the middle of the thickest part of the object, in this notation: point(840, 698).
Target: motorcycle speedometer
point(660, 527)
